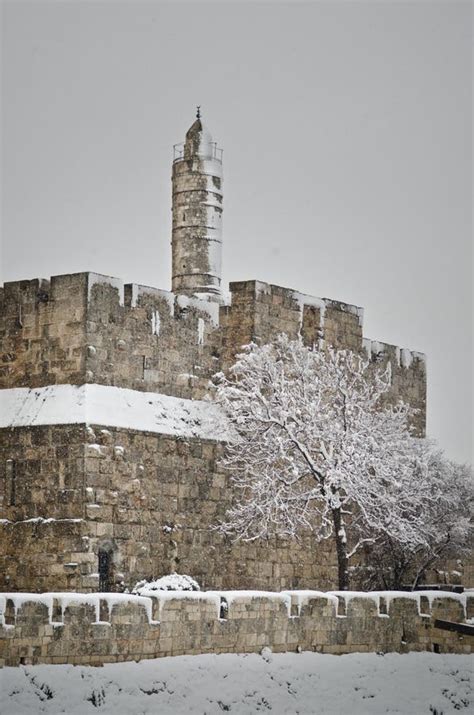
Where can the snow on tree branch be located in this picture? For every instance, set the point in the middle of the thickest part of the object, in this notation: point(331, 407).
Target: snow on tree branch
point(444, 520)
point(313, 448)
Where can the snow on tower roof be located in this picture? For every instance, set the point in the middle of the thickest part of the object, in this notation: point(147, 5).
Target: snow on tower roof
point(199, 141)
point(197, 127)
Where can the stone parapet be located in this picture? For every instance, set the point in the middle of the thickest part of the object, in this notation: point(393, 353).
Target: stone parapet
point(104, 628)
point(92, 328)
point(43, 331)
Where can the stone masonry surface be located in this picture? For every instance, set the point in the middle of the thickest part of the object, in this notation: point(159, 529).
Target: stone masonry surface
point(152, 499)
point(108, 628)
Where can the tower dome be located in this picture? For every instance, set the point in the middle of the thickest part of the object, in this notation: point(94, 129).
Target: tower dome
point(198, 141)
point(197, 215)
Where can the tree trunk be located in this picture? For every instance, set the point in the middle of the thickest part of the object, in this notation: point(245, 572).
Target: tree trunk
point(341, 550)
point(429, 562)
point(421, 571)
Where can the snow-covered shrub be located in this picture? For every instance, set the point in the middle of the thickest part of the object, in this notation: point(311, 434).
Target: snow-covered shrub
point(172, 582)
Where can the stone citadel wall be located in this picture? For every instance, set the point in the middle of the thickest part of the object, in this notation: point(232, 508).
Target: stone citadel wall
point(86, 327)
point(105, 628)
point(150, 499)
point(132, 486)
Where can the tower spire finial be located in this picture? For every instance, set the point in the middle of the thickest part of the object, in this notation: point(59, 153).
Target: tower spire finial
point(198, 111)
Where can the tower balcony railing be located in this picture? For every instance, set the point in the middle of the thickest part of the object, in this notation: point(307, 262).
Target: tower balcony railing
point(216, 152)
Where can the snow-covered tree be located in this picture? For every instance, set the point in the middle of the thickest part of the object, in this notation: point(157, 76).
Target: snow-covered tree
point(445, 528)
point(312, 448)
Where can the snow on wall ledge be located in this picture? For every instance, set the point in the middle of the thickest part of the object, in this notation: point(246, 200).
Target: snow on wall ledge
point(403, 356)
point(111, 627)
point(111, 407)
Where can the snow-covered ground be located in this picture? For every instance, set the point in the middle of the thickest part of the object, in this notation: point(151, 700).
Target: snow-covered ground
point(359, 684)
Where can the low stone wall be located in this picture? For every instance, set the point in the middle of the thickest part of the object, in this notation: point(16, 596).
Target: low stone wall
point(105, 628)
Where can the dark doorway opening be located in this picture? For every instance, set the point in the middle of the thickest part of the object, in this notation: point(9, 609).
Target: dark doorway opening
point(105, 570)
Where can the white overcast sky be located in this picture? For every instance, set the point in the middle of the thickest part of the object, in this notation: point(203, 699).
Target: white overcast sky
point(347, 134)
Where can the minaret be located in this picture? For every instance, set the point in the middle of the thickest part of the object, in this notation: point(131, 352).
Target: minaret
point(197, 215)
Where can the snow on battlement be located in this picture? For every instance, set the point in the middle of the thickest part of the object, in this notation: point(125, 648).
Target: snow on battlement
point(135, 291)
point(109, 627)
point(131, 294)
point(301, 300)
point(289, 603)
point(402, 357)
point(210, 308)
point(94, 279)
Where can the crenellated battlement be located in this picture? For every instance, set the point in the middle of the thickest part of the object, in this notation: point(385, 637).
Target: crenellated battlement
point(152, 606)
point(103, 627)
point(408, 376)
point(156, 341)
point(88, 327)
point(401, 357)
point(263, 311)
point(92, 328)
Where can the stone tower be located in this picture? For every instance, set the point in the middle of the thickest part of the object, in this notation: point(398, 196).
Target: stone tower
point(197, 215)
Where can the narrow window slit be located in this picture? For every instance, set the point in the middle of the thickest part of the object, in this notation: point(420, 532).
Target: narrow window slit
point(57, 611)
point(104, 614)
point(9, 613)
point(105, 570)
point(341, 606)
point(224, 609)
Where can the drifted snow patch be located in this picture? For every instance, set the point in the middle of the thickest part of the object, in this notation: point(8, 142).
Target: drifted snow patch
point(112, 407)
